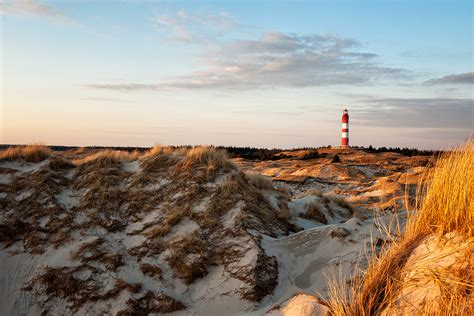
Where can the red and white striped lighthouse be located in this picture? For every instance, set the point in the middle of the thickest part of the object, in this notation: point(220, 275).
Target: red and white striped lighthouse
point(345, 129)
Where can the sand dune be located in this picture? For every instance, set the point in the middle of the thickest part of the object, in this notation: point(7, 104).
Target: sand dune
point(187, 231)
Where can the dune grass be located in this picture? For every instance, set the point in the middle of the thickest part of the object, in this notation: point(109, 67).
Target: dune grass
point(173, 216)
point(208, 157)
point(158, 159)
point(160, 150)
point(28, 153)
point(315, 211)
point(445, 205)
point(107, 158)
point(60, 163)
point(447, 202)
point(259, 181)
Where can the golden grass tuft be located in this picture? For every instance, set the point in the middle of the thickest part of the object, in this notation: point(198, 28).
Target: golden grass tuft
point(157, 160)
point(159, 150)
point(447, 202)
point(107, 158)
point(446, 207)
point(212, 159)
point(29, 153)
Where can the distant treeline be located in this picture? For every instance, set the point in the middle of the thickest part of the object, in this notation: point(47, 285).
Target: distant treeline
point(64, 148)
point(252, 153)
point(404, 151)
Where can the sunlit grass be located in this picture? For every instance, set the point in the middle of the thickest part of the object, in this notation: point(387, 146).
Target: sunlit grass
point(445, 205)
point(28, 153)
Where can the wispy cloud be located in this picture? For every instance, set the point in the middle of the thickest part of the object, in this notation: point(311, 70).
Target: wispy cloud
point(277, 60)
point(34, 8)
point(465, 78)
point(125, 87)
point(100, 99)
point(188, 27)
point(266, 113)
point(437, 113)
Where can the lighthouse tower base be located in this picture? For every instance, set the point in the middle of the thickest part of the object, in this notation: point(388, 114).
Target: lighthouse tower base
point(344, 147)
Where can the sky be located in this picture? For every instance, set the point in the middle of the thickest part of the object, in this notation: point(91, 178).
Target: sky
point(241, 73)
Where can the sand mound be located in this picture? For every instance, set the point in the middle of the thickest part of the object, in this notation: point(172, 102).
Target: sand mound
point(111, 233)
point(435, 270)
point(301, 304)
point(185, 230)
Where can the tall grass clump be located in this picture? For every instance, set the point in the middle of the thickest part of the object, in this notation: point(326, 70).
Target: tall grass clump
point(447, 199)
point(28, 153)
point(158, 159)
point(444, 209)
point(107, 158)
point(259, 181)
point(159, 150)
point(209, 157)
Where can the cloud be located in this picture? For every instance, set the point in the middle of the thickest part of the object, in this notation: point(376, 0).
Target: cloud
point(266, 113)
point(440, 113)
point(125, 87)
point(277, 60)
point(189, 27)
point(100, 99)
point(33, 8)
point(465, 78)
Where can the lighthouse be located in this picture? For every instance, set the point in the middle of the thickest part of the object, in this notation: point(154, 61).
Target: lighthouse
point(345, 129)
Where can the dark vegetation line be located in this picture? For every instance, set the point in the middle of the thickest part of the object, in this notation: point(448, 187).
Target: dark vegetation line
point(253, 153)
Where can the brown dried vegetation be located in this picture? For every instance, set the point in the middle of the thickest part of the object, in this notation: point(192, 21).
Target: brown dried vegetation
point(61, 283)
point(81, 191)
point(444, 208)
point(29, 153)
point(188, 258)
point(33, 197)
point(152, 303)
point(151, 270)
point(96, 251)
point(259, 181)
point(316, 212)
point(60, 164)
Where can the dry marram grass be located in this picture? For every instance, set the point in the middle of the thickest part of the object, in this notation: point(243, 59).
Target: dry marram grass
point(107, 158)
point(259, 181)
point(446, 207)
point(315, 211)
point(210, 158)
point(29, 153)
point(447, 201)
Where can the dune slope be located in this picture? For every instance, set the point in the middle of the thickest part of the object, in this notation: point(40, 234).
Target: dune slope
point(185, 231)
